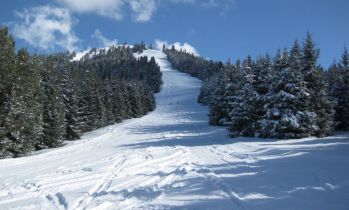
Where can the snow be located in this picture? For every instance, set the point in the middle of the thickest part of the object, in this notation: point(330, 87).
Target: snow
point(80, 55)
point(172, 159)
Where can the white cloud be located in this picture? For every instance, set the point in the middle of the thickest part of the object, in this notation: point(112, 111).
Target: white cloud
point(177, 45)
point(141, 10)
point(105, 42)
point(46, 27)
point(107, 8)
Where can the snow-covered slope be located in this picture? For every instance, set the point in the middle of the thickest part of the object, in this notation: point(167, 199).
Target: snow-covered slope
point(171, 159)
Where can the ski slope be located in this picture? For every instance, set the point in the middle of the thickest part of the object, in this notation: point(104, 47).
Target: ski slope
point(172, 159)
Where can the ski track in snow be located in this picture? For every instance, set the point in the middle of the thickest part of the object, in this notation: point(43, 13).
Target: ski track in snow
point(172, 159)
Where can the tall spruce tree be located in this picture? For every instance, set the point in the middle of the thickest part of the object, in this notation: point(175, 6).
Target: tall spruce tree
point(23, 122)
point(217, 113)
point(7, 79)
point(70, 101)
point(345, 92)
point(338, 77)
point(313, 78)
point(28, 71)
point(54, 126)
point(241, 123)
point(232, 97)
point(262, 74)
point(287, 115)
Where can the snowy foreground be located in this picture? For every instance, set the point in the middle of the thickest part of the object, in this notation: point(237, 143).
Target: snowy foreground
point(171, 159)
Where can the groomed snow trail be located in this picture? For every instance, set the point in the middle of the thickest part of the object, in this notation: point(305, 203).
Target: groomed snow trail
point(171, 159)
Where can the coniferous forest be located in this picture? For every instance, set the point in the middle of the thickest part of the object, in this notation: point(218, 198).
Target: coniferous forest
point(287, 95)
point(45, 99)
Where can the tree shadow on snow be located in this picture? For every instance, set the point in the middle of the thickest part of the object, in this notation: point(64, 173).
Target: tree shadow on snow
point(304, 174)
point(184, 134)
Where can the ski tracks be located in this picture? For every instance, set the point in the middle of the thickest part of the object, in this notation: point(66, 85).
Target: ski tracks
point(101, 186)
point(51, 200)
point(129, 176)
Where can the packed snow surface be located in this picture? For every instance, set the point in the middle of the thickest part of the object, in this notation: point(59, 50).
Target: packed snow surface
point(172, 159)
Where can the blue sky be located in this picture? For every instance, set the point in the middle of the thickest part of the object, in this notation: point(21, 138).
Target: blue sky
point(217, 29)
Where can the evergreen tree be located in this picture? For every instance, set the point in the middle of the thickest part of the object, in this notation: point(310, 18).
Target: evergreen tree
point(313, 78)
point(241, 123)
point(28, 70)
point(231, 105)
point(107, 98)
point(94, 106)
point(295, 59)
point(70, 101)
point(345, 59)
point(23, 122)
point(287, 115)
point(7, 79)
point(338, 78)
point(262, 74)
point(53, 108)
point(207, 89)
point(217, 114)
point(344, 98)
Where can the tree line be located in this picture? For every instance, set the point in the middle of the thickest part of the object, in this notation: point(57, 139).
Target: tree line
point(46, 99)
point(191, 64)
point(285, 96)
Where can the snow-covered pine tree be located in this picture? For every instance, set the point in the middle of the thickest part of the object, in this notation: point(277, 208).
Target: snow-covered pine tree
point(83, 108)
point(207, 88)
point(17, 142)
point(53, 107)
point(217, 113)
point(135, 99)
point(7, 78)
point(121, 107)
point(262, 78)
point(277, 65)
point(239, 116)
point(228, 93)
point(107, 98)
point(28, 72)
point(338, 77)
point(70, 100)
point(345, 59)
point(232, 97)
point(314, 79)
point(296, 57)
point(152, 74)
point(345, 92)
point(23, 122)
point(148, 100)
point(95, 108)
point(287, 115)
